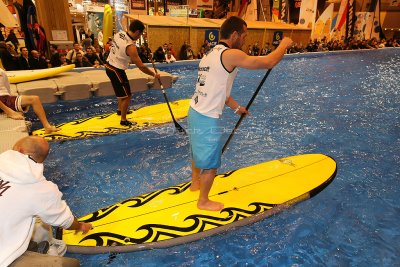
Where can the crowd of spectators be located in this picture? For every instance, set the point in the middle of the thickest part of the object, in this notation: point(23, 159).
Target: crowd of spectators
point(92, 53)
point(324, 46)
point(166, 53)
point(88, 53)
point(336, 45)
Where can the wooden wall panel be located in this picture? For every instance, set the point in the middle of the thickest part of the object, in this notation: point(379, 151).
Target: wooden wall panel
point(158, 35)
point(54, 15)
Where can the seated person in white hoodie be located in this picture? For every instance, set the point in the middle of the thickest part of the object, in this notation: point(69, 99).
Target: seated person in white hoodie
point(24, 194)
point(13, 105)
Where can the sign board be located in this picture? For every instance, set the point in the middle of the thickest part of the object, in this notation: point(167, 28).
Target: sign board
point(179, 11)
point(59, 35)
point(278, 35)
point(212, 36)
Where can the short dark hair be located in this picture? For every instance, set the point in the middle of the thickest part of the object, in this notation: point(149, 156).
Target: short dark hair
point(136, 25)
point(231, 25)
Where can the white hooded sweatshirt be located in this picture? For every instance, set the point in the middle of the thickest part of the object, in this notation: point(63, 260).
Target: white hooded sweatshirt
point(25, 193)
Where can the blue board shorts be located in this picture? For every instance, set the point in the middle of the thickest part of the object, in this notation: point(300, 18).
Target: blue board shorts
point(205, 140)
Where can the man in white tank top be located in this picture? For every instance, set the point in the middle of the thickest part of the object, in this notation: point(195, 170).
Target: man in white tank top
point(216, 73)
point(123, 51)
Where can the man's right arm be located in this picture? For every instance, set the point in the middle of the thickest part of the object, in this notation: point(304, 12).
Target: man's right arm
point(55, 211)
point(80, 226)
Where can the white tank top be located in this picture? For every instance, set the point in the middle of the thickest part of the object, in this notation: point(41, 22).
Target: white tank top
point(214, 84)
point(118, 57)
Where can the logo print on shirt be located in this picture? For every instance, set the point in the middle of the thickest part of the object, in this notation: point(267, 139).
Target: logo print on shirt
point(3, 187)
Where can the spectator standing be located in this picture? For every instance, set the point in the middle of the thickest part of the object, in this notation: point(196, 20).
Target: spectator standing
point(71, 55)
point(55, 56)
point(13, 39)
point(87, 42)
point(100, 37)
point(182, 52)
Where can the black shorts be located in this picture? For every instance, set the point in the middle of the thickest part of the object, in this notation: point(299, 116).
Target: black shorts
point(119, 81)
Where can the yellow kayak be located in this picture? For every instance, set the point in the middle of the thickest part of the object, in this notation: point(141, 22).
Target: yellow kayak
point(20, 76)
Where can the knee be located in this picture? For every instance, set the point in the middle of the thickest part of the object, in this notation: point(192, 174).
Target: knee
point(35, 98)
point(31, 99)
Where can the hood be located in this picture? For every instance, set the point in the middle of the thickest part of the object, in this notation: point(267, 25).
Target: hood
point(18, 168)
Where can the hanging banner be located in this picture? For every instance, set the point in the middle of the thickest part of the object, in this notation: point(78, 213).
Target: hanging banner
point(138, 4)
point(251, 11)
point(212, 36)
point(205, 4)
point(294, 11)
point(308, 13)
point(322, 27)
point(276, 11)
point(284, 11)
point(340, 21)
point(121, 8)
point(351, 18)
point(94, 16)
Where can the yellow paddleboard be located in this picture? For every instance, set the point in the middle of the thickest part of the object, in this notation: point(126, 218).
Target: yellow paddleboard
point(20, 76)
point(107, 124)
point(170, 216)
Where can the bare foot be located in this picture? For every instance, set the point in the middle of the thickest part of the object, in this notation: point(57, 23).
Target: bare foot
point(195, 185)
point(210, 205)
point(15, 115)
point(51, 129)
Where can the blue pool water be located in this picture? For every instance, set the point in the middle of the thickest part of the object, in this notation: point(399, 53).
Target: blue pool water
point(346, 105)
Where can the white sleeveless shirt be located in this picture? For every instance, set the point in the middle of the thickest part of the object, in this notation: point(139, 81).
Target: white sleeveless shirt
point(214, 84)
point(118, 57)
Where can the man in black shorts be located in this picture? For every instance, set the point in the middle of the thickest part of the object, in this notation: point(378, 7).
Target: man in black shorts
point(122, 52)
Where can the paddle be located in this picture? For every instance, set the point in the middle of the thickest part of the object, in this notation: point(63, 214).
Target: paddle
point(177, 126)
point(247, 108)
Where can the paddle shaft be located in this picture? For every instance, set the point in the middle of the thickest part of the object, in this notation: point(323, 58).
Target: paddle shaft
point(247, 108)
point(177, 126)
